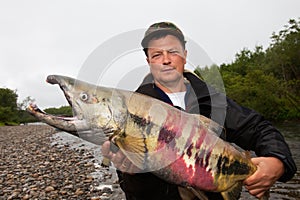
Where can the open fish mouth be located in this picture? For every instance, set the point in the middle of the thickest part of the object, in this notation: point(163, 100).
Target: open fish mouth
point(76, 125)
point(35, 108)
point(71, 125)
point(54, 80)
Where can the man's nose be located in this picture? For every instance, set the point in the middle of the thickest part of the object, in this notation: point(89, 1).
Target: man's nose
point(166, 58)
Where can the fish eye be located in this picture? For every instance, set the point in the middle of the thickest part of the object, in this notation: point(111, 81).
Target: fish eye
point(84, 96)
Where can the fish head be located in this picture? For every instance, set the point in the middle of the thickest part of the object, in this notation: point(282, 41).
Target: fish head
point(84, 98)
point(94, 108)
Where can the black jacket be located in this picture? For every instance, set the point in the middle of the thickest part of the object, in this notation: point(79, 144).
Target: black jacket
point(243, 126)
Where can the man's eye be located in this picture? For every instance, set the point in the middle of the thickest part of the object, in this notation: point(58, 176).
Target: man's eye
point(155, 55)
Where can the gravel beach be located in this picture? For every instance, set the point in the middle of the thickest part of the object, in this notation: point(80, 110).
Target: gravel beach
point(36, 163)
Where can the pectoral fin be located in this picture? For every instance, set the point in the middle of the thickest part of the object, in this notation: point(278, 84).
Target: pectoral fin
point(134, 148)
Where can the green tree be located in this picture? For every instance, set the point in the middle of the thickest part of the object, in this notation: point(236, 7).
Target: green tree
point(212, 76)
point(245, 60)
point(8, 105)
point(62, 111)
point(268, 80)
point(284, 52)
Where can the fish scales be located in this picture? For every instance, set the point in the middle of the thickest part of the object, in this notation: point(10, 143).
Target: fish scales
point(178, 147)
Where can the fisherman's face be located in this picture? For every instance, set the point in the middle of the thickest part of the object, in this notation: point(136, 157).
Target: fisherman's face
point(166, 58)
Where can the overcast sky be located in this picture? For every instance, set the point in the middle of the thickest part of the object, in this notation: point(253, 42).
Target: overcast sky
point(38, 38)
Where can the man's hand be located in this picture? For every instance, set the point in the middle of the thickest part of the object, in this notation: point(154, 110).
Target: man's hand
point(269, 170)
point(120, 161)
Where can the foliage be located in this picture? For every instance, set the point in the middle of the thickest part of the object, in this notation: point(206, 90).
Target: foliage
point(284, 52)
point(62, 111)
point(212, 76)
point(267, 81)
point(12, 113)
point(8, 105)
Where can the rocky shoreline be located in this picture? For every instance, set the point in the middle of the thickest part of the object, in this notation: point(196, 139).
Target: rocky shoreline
point(37, 162)
point(34, 164)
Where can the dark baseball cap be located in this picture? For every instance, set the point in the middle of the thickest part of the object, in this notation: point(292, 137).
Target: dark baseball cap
point(162, 28)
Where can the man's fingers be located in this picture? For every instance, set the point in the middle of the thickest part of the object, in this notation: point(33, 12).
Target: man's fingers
point(259, 192)
point(125, 165)
point(253, 179)
point(105, 149)
point(118, 158)
point(128, 167)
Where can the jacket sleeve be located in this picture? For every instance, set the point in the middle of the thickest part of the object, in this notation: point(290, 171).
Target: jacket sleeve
point(249, 130)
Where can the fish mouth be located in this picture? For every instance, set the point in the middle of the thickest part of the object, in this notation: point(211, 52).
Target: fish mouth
point(75, 125)
point(71, 125)
point(59, 80)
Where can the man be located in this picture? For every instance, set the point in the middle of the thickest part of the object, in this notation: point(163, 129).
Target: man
point(164, 46)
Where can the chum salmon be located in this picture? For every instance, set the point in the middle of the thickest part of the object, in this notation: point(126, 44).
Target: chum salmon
point(178, 147)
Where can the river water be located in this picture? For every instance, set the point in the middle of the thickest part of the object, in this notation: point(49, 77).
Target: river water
point(291, 189)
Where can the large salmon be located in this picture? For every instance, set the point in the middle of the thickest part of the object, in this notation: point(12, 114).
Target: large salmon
point(178, 147)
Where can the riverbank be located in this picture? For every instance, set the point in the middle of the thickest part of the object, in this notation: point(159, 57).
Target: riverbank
point(36, 162)
point(35, 165)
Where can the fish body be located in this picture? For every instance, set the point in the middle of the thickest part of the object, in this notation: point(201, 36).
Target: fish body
point(176, 146)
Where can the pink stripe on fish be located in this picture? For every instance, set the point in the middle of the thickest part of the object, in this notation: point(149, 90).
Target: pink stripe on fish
point(196, 176)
